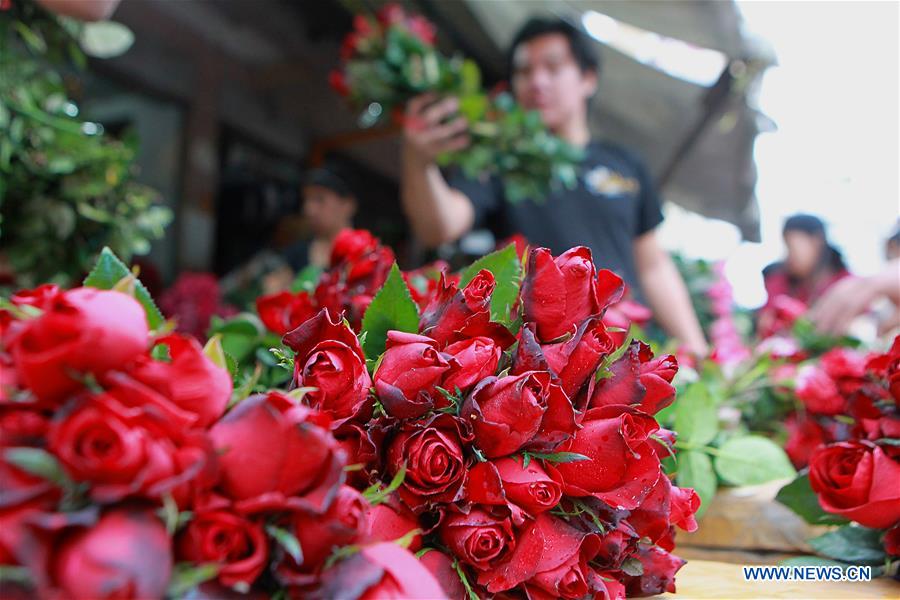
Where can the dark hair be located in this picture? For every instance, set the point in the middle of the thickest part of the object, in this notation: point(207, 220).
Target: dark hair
point(583, 49)
point(331, 177)
point(813, 226)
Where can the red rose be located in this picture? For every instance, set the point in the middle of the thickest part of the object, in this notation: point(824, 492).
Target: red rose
point(845, 367)
point(422, 28)
point(362, 447)
point(342, 524)
point(818, 392)
point(283, 311)
point(409, 371)
point(352, 244)
point(617, 545)
point(329, 358)
point(81, 331)
point(622, 467)
point(441, 568)
point(121, 451)
point(41, 297)
point(237, 545)
point(126, 554)
point(21, 495)
point(338, 82)
point(519, 411)
point(432, 453)
point(189, 383)
point(480, 538)
point(382, 571)
point(659, 568)
point(457, 314)
point(390, 14)
point(665, 506)
point(271, 449)
point(856, 480)
point(638, 379)
point(559, 293)
point(422, 283)
point(474, 360)
point(506, 481)
point(892, 541)
point(21, 426)
point(391, 521)
point(804, 436)
point(563, 570)
point(572, 361)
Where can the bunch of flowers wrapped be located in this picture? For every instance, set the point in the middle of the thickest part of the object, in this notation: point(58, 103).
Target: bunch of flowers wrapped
point(130, 468)
point(847, 434)
point(389, 59)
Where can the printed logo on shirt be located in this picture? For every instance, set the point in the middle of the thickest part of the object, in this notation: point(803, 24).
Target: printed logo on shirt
point(604, 181)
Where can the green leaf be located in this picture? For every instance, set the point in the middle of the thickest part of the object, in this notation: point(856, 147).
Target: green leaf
point(695, 470)
point(288, 541)
point(852, 544)
point(307, 279)
point(391, 308)
point(13, 574)
point(504, 264)
point(214, 352)
point(109, 270)
point(696, 421)
point(559, 457)
point(186, 576)
point(752, 459)
point(376, 494)
point(39, 462)
point(604, 372)
point(800, 498)
point(470, 593)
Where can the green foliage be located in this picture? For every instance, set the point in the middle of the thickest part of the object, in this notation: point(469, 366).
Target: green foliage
point(852, 544)
point(695, 470)
point(506, 268)
point(695, 416)
point(391, 308)
point(66, 191)
point(752, 459)
point(799, 497)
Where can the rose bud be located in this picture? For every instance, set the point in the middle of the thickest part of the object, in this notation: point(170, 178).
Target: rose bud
point(362, 447)
point(329, 358)
point(818, 392)
point(514, 412)
point(480, 538)
point(475, 359)
point(190, 382)
point(892, 541)
point(126, 554)
point(846, 368)
point(272, 450)
point(451, 311)
point(441, 568)
point(639, 380)
point(560, 293)
point(506, 482)
point(805, 435)
point(237, 545)
point(21, 426)
point(563, 571)
point(391, 521)
point(120, 451)
point(283, 311)
point(659, 568)
point(854, 479)
point(666, 505)
point(663, 443)
point(81, 331)
point(432, 453)
point(352, 245)
point(342, 524)
point(382, 570)
point(572, 361)
point(622, 467)
point(617, 545)
point(410, 369)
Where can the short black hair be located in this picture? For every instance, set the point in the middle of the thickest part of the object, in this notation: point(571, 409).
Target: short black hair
point(583, 48)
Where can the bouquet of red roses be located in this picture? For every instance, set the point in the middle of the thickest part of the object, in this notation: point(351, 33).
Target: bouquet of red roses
point(392, 58)
point(847, 432)
point(131, 468)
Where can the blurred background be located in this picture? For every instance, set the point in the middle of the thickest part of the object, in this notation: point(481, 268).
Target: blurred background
point(745, 113)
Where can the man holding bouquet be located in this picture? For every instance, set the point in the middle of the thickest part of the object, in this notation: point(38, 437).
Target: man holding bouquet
point(614, 210)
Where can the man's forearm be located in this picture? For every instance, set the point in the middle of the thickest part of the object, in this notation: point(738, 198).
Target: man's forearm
point(437, 212)
point(671, 303)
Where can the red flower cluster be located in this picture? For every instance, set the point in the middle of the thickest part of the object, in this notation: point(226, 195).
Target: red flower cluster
point(192, 301)
point(522, 465)
point(849, 435)
point(359, 266)
point(119, 458)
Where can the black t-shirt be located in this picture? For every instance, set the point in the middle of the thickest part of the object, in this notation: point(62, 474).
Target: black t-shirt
point(615, 202)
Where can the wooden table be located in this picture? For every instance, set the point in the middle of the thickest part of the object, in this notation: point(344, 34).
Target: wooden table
point(704, 579)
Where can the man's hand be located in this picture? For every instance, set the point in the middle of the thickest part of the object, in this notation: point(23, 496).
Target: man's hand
point(852, 296)
point(428, 129)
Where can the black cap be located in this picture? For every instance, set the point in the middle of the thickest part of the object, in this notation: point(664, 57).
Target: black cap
point(329, 177)
point(806, 223)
